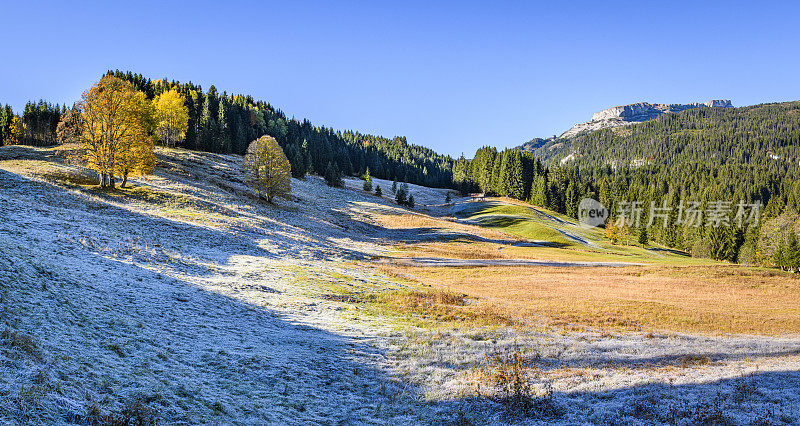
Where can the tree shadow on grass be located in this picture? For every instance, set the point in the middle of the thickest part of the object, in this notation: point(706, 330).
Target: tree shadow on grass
point(762, 398)
point(669, 250)
point(119, 331)
point(412, 235)
point(429, 234)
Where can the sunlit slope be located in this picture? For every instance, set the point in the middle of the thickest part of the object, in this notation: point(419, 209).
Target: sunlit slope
point(561, 237)
point(528, 222)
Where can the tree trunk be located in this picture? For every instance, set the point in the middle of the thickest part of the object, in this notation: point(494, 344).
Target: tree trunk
point(111, 181)
point(124, 180)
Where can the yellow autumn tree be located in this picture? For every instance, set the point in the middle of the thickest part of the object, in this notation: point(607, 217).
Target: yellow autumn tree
point(16, 131)
point(172, 117)
point(117, 123)
point(267, 169)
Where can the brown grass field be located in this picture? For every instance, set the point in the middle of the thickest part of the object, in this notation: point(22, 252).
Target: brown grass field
point(669, 293)
point(712, 300)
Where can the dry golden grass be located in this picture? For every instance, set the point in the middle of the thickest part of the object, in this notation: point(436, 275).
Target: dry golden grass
point(438, 307)
point(455, 249)
point(408, 220)
point(722, 299)
point(427, 308)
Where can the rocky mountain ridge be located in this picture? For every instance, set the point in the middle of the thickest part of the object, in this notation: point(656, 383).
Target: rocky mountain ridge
point(622, 115)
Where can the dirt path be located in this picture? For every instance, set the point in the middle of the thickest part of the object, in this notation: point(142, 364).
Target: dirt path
point(561, 222)
point(442, 261)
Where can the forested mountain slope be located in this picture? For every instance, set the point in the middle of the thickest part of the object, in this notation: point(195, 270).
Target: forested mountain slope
point(764, 135)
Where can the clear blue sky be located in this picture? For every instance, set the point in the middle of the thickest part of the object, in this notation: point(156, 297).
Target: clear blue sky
point(449, 75)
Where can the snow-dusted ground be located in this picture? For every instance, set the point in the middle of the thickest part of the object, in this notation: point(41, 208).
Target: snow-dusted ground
point(189, 302)
point(426, 199)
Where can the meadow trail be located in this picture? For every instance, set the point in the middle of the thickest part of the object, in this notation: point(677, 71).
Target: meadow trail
point(440, 261)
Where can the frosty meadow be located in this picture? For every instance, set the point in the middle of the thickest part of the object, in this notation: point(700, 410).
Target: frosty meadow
point(384, 213)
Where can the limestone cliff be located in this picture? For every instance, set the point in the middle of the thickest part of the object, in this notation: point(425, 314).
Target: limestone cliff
point(636, 113)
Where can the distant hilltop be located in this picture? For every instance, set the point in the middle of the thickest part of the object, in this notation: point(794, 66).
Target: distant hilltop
point(644, 111)
point(636, 113)
point(622, 115)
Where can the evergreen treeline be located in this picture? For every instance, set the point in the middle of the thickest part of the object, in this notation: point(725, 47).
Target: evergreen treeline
point(507, 173)
point(40, 120)
point(36, 126)
point(6, 117)
point(223, 123)
point(560, 188)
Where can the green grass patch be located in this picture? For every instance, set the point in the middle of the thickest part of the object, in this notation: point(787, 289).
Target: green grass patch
point(527, 222)
point(535, 223)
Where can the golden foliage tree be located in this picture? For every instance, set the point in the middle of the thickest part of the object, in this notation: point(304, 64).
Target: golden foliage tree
point(137, 159)
point(267, 168)
point(172, 117)
point(117, 122)
point(16, 131)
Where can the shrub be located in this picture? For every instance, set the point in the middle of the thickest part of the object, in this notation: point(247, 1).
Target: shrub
point(333, 176)
point(367, 182)
point(400, 196)
point(509, 374)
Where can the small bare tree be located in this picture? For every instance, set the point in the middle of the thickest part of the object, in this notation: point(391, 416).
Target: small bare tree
point(267, 169)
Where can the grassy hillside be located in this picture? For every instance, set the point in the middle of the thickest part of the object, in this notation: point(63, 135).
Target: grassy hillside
point(183, 299)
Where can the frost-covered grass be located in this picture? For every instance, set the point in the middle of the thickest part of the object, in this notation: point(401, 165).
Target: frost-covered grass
point(184, 300)
point(601, 378)
point(112, 306)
